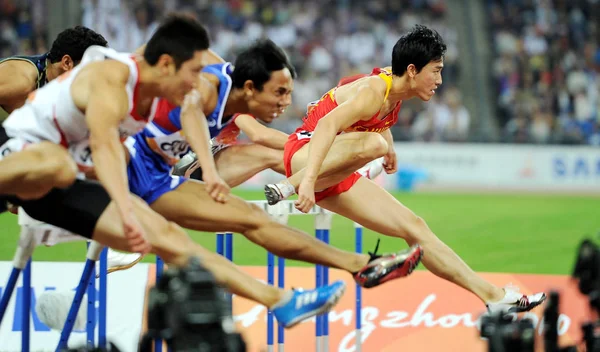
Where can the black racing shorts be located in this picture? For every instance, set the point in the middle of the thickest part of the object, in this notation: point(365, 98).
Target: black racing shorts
point(3, 135)
point(197, 174)
point(76, 208)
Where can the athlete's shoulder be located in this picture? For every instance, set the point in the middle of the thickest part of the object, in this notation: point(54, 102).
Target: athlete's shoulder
point(19, 67)
point(115, 72)
point(379, 80)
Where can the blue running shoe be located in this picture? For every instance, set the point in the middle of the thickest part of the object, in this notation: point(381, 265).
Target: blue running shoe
point(301, 305)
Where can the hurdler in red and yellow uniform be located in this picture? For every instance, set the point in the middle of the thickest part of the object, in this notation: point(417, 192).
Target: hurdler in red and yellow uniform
point(322, 107)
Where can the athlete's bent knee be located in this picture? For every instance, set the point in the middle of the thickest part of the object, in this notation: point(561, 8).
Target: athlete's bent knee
point(373, 146)
point(417, 231)
point(257, 219)
point(170, 241)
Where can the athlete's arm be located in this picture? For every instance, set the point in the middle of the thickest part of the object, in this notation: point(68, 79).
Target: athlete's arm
point(259, 133)
point(106, 108)
point(18, 80)
point(107, 105)
point(195, 127)
point(390, 162)
point(363, 104)
point(194, 123)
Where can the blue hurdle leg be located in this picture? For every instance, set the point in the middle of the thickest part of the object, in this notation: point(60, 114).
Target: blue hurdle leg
point(271, 281)
point(281, 284)
point(158, 343)
point(8, 291)
point(229, 255)
point(88, 271)
point(319, 283)
point(221, 243)
point(325, 279)
point(102, 300)
point(26, 307)
point(21, 260)
point(358, 234)
point(91, 312)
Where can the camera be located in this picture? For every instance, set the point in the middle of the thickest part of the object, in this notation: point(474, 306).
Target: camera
point(189, 311)
point(506, 334)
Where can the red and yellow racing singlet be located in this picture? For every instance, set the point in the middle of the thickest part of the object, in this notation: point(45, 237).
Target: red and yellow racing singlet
point(319, 109)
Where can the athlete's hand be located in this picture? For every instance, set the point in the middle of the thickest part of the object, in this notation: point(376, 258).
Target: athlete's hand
point(306, 196)
point(134, 233)
point(216, 187)
point(390, 162)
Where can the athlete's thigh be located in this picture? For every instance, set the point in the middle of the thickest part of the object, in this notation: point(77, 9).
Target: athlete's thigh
point(373, 207)
point(190, 206)
point(162, 234)
point(238, 163)
point(343, 147)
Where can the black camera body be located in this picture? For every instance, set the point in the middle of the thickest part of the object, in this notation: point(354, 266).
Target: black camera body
point(506, 335)
point(188, 310)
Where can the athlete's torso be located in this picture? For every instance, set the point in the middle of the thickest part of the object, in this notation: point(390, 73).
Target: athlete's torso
point(164, 136)
point(379, 122)
point(51, 114)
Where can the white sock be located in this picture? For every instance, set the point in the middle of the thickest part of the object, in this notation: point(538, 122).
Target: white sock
point(286, 188)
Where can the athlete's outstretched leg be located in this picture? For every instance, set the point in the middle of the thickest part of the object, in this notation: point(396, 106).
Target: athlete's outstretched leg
point(236, 163)
point(190, 206)
point(174, 246)
point(373, 207)
point(33, 172)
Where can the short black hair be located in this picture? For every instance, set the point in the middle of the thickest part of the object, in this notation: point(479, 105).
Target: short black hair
point(74, 42)
point(257, 62)
point(178, 36)
point(419, 47)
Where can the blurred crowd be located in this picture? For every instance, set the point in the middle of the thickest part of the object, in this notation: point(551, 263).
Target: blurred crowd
point(547, 70)
point(325, 40)
point(555, 101)
point(23, 27)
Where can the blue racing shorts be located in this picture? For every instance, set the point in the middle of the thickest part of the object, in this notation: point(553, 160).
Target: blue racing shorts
point(149, 174)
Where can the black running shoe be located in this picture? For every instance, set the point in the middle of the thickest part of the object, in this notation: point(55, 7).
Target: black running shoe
point(383, 268)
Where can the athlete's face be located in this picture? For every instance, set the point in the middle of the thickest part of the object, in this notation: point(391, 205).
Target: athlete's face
point(276, 95)
point(181, 81)
point(56, 69)
point(427, 80)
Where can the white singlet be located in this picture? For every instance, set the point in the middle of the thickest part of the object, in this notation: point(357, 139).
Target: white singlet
point(50, 113)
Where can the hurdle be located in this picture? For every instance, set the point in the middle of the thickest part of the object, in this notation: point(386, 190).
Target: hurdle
point(21, 265)
point(323, 220)
point(30, 231)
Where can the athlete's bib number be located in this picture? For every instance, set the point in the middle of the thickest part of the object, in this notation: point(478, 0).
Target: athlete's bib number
point(304, 135)
point(82, 154)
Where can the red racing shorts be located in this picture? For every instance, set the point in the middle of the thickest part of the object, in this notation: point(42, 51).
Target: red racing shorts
point(297, 141)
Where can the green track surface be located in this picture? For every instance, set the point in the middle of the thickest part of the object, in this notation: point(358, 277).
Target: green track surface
point(491, 232)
